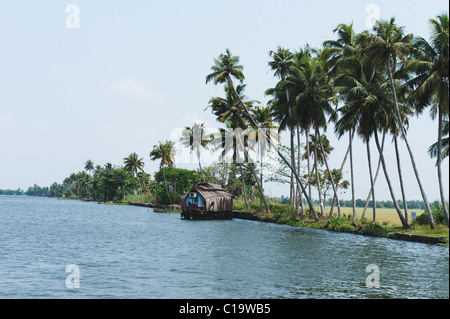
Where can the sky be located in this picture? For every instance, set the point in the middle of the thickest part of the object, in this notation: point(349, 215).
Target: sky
point(101, 79)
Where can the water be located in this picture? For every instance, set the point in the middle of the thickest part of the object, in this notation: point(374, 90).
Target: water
point(131, 252)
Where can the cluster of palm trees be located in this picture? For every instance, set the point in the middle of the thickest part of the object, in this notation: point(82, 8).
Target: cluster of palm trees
point(366, 83)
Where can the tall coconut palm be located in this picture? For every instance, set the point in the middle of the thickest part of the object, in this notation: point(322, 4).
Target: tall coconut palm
point(313, 105)
point(230, 111)
point(336, 51)
point(367, 109)
point(344, 46)
point(164, 152)
point(430, 86)
point(194, 138)
point(134, 164)
point(283, 63)
point(388, 46)
point(223, 69)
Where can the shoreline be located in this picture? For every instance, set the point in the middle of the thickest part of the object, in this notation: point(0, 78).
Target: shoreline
point(396, 235)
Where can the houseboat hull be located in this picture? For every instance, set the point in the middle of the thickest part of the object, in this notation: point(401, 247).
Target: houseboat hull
point(196, 214)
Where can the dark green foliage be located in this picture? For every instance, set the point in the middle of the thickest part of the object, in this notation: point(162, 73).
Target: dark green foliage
point(179, 182)
point(438, 215)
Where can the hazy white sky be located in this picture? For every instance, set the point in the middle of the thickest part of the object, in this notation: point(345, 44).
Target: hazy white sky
point(135, 70)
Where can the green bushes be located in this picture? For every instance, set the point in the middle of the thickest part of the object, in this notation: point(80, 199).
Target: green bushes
point(373, 229)
point(345, 223)
point(340, 224)
point(438, 216)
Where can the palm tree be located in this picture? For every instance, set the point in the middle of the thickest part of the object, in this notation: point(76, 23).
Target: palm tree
point(367, 109)
point(223, 69)
point(344, 46)
point(163, 152)
point(313, 103)
point(230, 110)
point(194, 138)
point(321, 152)
point(433, 149)
point(134, 164)
point(431, 84)
point(386, 47)
point(226, 141)
point(89, 166)
point(335, 51)
point(283, 63)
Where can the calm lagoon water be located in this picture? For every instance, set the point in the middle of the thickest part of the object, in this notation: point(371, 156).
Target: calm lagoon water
point(132, 252)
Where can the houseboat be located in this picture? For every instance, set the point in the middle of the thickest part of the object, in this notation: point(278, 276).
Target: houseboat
point(207, 201)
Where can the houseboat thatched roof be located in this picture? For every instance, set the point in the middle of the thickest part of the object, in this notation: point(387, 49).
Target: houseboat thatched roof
point(212, 193)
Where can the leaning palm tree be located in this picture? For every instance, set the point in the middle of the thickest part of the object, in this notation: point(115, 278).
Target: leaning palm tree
point(194, 138)
point(387, 47)
point(163, 152)
point(134, 164)
point(430, 86)
point(230, 110)
point(225, 67)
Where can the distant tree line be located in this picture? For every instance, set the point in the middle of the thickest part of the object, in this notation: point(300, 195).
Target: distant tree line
point(413, 204)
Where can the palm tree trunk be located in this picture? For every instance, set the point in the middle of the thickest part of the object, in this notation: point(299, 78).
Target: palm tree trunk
point(247, 156)
point(439, 169)
point(302, 208)
point(413, 162)
point(258, 183)
point(140, 187)
point(292, 187)
point(372, 182)
point(402, 188)
point(333, 185)
point(200, 165)
point(383, 163)
point(283, 77)
point(243, 186)
point(369, 196)
point(230, 82)
point(308, 153)
point(322, 209)
point(350, 144)
point(165, 183)
point(261, 176)
point(340, 170)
